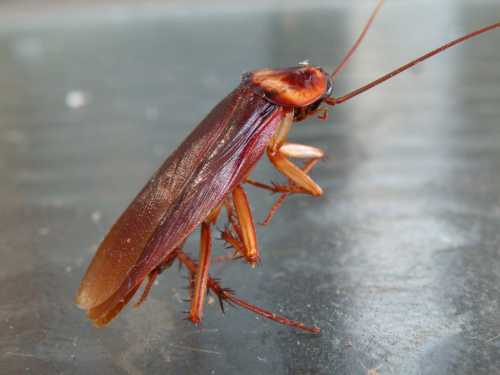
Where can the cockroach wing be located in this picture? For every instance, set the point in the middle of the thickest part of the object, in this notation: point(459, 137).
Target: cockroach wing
point(215, 157)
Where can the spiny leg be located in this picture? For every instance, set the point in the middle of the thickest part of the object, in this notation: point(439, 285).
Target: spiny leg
point(199, 291)
point(242, 237)
point(278, 152)
point(293, 150)
point(307, 167)
point(301, 179)
point(233, 220)
point(235, 243)
point(232, 234)
point(227, 295)
point(300, 182)
point(200, 282)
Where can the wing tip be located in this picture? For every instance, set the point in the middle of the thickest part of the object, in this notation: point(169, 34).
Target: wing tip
point(83, 298)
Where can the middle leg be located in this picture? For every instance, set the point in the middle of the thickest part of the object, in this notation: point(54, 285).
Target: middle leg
point(299, 177)
point(242, 236)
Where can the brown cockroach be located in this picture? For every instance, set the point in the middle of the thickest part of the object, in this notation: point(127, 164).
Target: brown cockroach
point(206, 173)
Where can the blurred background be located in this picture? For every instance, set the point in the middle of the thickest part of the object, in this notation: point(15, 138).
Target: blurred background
point(398, 262)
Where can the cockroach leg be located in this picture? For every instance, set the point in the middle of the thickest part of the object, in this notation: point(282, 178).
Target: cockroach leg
point(294, 173)
point(213, 215)
point(306, 169)
point(226, 258)
point(278, 152)
point(247, 226)
point(153, 275)
point(322, 113)
point(234, 238)
point(277, 188)
point(233, 242)
point(290, 150)
point(151, 279)
point(281, 134)
point(201, 275)
point(261, 185)
point(228, 296)
point(231, 216)
point(296, 150)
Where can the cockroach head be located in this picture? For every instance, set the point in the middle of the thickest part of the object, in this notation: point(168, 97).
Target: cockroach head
point(298, 87)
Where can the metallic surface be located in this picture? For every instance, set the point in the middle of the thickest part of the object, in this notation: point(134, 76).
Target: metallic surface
point(398, 262)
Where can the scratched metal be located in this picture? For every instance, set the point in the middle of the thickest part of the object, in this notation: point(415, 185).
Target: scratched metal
point(398, 262)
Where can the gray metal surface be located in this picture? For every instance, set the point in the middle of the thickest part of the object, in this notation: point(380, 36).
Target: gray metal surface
point(398, 262)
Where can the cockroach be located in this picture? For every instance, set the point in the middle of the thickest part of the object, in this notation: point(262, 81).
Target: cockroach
point(207, 173)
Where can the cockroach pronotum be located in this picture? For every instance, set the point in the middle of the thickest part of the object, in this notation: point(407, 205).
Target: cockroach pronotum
point(206, 174)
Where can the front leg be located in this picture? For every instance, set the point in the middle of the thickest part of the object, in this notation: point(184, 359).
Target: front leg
point(278, 152)
point(279, 158)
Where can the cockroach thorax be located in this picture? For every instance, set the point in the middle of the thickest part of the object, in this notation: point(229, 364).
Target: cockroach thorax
point(298, 86)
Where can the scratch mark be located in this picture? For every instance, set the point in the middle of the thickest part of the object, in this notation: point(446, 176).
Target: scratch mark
point(492, 339)
point(195, 349)
point(202, 330)
point(19, 354)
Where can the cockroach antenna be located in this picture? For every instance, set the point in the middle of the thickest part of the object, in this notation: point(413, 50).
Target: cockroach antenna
point(358, 41)
point(385, 77)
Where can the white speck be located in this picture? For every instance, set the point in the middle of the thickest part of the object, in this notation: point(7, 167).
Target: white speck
point(96, 216)
point(11, 327)
point(261, 359)
point(68, 269)
point(152, 113)
point(210, 300)
point(76, 99)
point(156, 283)
point(304, 63)
point(43, 231)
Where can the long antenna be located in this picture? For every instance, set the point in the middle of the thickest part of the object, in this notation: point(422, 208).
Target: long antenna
point(358, 41)
point(334, 101)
